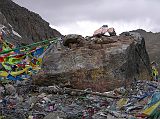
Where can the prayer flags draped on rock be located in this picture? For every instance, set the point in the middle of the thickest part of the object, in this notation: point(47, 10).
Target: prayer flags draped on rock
point(20, 63)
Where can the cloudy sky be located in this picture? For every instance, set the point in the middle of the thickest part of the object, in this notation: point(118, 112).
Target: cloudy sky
point(85, 16)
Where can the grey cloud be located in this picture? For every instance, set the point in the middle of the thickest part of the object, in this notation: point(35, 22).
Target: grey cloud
point(69, 11)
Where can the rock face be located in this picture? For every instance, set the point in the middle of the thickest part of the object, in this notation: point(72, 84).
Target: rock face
point(100, 63)
point(9, 34)
point(152, 44)
point(28, 24)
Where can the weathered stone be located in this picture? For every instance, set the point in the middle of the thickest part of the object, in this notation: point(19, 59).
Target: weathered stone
point(110, 65)
point(10, 90)
point(73, 41)
point(152, 44)
point(56, 115)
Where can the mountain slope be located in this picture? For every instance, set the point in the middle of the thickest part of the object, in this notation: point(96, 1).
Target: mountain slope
point(28, 24)
point(152, 44)
point(9, 34)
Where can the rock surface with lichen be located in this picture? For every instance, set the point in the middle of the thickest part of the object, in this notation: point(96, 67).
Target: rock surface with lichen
point(101, 64)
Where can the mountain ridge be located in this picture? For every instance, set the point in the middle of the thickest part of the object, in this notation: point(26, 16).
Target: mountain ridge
point(28, 24)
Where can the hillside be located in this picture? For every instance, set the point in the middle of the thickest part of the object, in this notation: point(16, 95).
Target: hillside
point(152, 41)
point(28, 24)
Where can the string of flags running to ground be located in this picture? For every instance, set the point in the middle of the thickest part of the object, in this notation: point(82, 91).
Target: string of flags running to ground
point(19, 63)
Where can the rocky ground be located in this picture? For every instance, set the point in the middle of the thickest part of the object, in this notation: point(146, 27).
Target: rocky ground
point(22, 100)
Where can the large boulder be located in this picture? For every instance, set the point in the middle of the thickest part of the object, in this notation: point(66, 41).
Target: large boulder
point(103, 64)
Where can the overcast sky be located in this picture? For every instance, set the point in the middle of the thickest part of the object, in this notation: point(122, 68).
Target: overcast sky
point(85, 16)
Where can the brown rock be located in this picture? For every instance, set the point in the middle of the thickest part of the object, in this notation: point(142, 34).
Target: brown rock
point(111, 66)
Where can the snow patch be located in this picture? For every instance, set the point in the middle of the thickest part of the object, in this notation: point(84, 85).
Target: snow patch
point(10, 25)
point(2, 27)
point(15, 33)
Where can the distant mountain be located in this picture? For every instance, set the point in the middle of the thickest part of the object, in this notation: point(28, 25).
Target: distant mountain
point(152, 41)
point(27, 24)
